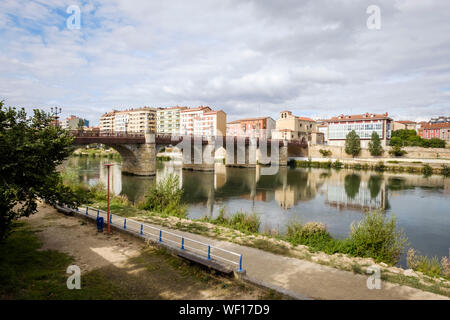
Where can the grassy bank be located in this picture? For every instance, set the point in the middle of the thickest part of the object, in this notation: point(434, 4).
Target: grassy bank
point(392, 165)
point(97, 153)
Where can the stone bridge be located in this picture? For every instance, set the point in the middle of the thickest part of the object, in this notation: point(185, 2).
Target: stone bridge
point(139, 151)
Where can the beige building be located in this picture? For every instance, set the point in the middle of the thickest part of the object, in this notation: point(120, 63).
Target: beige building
point(291, 127)
point(168, 120)
point(107, 121)
point(203, 121)
point(142, 120)
point(404, 124)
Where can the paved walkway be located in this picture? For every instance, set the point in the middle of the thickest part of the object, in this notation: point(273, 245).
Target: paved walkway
point(306, 279)
point(300, 278)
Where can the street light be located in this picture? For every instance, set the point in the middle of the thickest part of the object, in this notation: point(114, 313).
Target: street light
point(55, 111)
point(108, 165)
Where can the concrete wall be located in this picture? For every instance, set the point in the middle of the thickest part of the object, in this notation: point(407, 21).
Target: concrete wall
point(413, 153)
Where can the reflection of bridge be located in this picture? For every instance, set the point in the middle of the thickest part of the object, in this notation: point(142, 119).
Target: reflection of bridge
point(138, 151)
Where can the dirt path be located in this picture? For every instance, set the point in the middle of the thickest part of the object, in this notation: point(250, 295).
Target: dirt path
point(140, 271)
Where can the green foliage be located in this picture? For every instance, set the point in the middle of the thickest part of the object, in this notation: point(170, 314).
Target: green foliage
point(431, 267)
point(397, 151)
point(165, 197)
point(374, 185)
point(325, 153)
point(409, 138)
point(352, 143)
point(377, 236)
point(247, 223)
point(445, 170)
point(31, 149)
point(380, 166)
point(427, 170)
point(337, 164)
point(375, 147)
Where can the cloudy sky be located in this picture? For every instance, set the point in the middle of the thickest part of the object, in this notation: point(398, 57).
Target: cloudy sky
point(249, 58)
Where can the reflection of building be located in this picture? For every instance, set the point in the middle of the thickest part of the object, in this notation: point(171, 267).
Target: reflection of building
point(290, 127)
point(336, 196)
point(363, 124)
point(251, 127)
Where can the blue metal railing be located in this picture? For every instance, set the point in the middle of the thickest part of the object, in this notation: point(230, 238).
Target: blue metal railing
point(172, 239)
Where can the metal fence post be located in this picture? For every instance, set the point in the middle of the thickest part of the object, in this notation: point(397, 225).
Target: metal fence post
point(209, 252)
point(142, 227)
point(240, 263)
point(182, 243)
point(98, 212)
point(87, 208)
point(125, 223)
point(110, 218)
point(160, 235)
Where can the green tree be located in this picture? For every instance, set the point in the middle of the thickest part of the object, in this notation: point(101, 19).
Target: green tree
point(30, 150)
point(375, 145)
point(80, 126)
point(352, 143)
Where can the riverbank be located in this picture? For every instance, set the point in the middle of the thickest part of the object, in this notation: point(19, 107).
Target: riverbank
point(120, 266)
point(274, 245)
point(96, 152)
point(394, 165)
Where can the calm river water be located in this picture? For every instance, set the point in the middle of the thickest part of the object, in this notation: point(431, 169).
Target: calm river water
point(336, 198)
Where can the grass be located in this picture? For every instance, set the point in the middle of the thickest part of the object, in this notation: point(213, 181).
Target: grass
point(429, 266)
point(241, 221)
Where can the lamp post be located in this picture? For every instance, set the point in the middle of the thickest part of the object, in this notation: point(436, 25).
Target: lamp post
point(55, 111)
point(108, 165)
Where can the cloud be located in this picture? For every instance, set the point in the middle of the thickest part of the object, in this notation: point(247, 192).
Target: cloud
point(249, 58)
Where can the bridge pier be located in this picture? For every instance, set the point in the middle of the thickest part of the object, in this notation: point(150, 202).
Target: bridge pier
point(198, 156)
point(139, 159)
point(240, 154)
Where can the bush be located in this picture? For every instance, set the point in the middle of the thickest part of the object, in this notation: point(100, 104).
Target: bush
point(397, 151)
point(337, 164)
point(248, 223)
point(377, 236)
point(380, 166)
point(427, 170)
point(165, 197)
point(428, 266)
point(325, 153)
point(445, 170)
point(375, 147)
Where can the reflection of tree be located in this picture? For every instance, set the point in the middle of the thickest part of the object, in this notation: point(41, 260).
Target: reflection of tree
point(374, 185)
point(352, 182)
point(396, 183)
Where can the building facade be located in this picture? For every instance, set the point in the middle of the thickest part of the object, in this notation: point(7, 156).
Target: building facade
point(261, 127)
point(168, 120)
point(440, 119)
point(436, 130)
point(107, 121)
point(121, 119)
point(404, 124)
point(363, 124)
point(291, 127)
point(141, 120)
point(72, 122)
point(203, 121)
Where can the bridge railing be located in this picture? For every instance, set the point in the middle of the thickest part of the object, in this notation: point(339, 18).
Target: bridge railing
point(171, 239)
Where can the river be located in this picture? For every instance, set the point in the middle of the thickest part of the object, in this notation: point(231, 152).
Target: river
point(334, 197)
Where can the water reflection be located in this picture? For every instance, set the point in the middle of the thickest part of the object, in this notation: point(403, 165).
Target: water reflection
point(334, 197)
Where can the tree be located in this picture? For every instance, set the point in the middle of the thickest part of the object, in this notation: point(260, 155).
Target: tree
point(80, 126)
point(352, 143)
point(30, 150)
point(375, 145)
point(397, 151)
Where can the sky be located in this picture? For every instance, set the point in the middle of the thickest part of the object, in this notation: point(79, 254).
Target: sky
point(249, 58)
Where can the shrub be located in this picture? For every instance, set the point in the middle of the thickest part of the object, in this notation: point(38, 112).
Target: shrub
point(165, 197)
point(445, 170)
point(427, 170)
point(397, 151)
point(248, 223)
point(377, 236)
point(380, 166)
point(325, 153)
point(375, 147)
point(428, 266)
point(312, 233)
point(352, 143)
point(337, 164)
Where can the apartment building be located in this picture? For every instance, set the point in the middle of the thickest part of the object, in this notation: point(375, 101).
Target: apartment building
point(72, 122)
point(251, 127)
point(203, 121)
point(141, 120)
point(121, 119)
point(168, 120)
point(363, 124)
point(107, 121)
point(291, 127)
point(440, 119)
point(439, 130)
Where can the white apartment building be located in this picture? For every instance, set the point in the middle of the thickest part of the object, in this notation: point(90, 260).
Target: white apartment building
point(168, 120)
point(107, 121)
point(121, 119)
point(203, 121)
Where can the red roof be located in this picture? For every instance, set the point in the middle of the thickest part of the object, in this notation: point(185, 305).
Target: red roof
point(305, 119)
point(406, 122)
point(357, 117)
point(436, 125)
point(248, 119)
